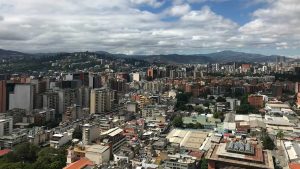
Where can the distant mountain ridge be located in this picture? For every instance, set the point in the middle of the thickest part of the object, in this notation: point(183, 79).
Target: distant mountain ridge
point(217, 57)
point(9, 54)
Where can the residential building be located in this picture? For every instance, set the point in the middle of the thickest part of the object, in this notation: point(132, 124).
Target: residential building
point(3, 96)
point(6, 126)
point(22, 97)
point(60, 139)
point(239, 155)
point(180, 161)
point(113, 138)
point(256, 100)
point(101, 100)
point(98, 154)
point(90, 132)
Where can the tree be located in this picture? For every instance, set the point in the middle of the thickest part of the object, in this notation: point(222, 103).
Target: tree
point(221, 99)
point(244, 99)
point(198, 126)
point(245, 109)
point(206, 104)
point(199, 109)
point(26, 152)
point(29, 156)
point(204, 164)
point(219, 115)
point(190, 125)
point(268, 142)
point(50, 158)
point(77, 133)
point(280, 134)
point(182, 100)
point(177, 121)
point(208, 111)
point(190, 108)
point(211, 97)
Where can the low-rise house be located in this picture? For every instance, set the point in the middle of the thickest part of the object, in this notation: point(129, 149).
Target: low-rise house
point(60, 139)
point(98, 154)
point(16, 137)
point(180, 161)
point(207, 121)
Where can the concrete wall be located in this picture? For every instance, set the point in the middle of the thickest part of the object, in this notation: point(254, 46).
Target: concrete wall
point(22, 97)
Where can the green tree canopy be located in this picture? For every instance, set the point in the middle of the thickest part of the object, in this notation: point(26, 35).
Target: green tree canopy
point(177, 121)
point(268, 142)
point(280, 134)
point(29, 156)
point(204, 164)
point(221, 99)
point(199, 109)
point(77, 133)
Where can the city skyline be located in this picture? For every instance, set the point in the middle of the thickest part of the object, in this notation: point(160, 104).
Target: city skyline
point(151, 26)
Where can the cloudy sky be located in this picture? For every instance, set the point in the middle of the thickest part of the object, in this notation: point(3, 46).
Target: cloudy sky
point(151, 26)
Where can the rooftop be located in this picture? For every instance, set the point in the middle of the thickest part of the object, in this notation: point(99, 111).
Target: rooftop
point(260, 158)
point(112, 132)
point(4, 152)
point(189, 139)
point(80, 164)
point(97, 148)
point(293, 150)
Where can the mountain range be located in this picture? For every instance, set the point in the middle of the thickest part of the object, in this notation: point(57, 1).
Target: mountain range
point(217, 57)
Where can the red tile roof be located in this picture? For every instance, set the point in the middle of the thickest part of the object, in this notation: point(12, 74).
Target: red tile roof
point(294, 166)
point(5, 151)
point(83, 162)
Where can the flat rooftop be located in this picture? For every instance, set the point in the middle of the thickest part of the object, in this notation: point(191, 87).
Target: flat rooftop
point(261, 159)
point(189, 139)
point(97, 148)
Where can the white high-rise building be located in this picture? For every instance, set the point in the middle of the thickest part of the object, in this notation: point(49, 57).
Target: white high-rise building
point(101, 100)
point(90, 133)
point(136, 77)
point(22, 97)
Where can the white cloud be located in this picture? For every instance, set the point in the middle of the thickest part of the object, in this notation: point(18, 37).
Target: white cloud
point(118, 26)
point(153, 3)
point(179, 10)
point(280, 21)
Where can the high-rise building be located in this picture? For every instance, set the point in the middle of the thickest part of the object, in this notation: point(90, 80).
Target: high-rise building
point(6, 126)
point(40, 87)
point(277, 90)
point(297, 87)
point(298, 100)
point(117, 84)
point(152, 73)
point(256, 100)
point(51, 100)
point(101, 100)
point(72, 113)
point(67, 97)
point(83, 77)
point(84, 96)
point(22, 97)
point(94, 81)
point(123, 76)
point(90, 132)
point(3, 96)
point(136, 77)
